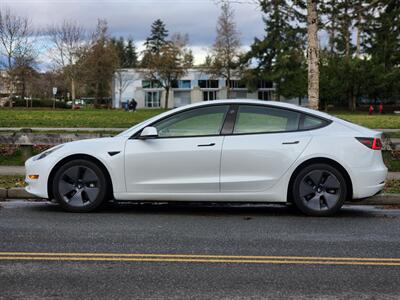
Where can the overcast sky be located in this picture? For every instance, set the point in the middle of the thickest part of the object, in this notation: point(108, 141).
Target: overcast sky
point(134, 17)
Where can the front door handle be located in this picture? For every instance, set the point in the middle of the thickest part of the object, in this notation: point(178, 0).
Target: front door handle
point(206, 145)
point(290, 143)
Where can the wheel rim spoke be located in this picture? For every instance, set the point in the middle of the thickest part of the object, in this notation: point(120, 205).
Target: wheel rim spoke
point(76, 199)
point(66, 188)
point(314, 203)
point(315, 176)
point(89, 177)
point(330, 199)
point(90, 193)
point(306, 189)
point(331, 183)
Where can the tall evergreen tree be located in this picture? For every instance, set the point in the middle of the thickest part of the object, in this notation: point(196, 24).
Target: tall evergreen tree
point(130, 55)
point(126, 51)
point(383, 46)
point(158, 36)
point(329, 9)
point(284, 39)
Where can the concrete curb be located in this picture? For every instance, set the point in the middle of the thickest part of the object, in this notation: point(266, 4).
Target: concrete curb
point(382, 199)
point(15, 193)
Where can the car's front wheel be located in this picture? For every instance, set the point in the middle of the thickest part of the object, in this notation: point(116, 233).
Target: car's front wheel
point(80, 186)
point(319, 190)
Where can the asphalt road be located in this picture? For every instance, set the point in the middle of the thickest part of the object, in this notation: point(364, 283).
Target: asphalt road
point(197, 252)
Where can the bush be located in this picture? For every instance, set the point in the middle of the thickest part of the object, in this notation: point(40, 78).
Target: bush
point(38, 103)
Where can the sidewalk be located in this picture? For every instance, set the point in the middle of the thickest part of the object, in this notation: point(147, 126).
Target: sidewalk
point(12, 170)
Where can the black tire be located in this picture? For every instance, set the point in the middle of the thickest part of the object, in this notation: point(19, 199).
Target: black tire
point(319, 190)
point(80, 186)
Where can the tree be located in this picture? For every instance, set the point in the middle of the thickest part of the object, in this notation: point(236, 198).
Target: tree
point(100, 63)
point(312, 54)
point(68, 40)
point(329, 9)
point(225, 54)
point(284, 39)
point(382, 44)
point(155, 42)
point(169, 63)
point(126, 51)
point(131, 56)
point(23, 71)
point(157, 38)
point(15, 35)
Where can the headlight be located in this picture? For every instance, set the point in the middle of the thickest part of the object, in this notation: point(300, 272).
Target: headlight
point(47, 152)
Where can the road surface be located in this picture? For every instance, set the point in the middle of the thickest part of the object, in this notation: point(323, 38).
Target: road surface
point(197, 252)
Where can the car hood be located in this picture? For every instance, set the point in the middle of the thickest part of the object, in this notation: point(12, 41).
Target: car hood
point(93, 146)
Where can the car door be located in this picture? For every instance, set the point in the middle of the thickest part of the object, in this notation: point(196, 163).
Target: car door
point(185, 157)
point(264, 143)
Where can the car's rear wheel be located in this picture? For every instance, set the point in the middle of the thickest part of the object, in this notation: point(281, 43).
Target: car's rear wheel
point(80, 186)
point(319, 190)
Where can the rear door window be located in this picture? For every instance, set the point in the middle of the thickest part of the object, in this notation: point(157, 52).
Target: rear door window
point(260, 119)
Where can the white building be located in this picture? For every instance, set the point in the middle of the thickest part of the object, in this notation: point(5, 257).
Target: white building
point(195, 86)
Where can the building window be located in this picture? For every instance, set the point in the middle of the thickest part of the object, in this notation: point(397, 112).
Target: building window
point(151, 84)
point(209, 95)
point(265, 84)
point(236, 84)
point(265, 95)
point(208, 84)
point(152, 99)
point(181, 84)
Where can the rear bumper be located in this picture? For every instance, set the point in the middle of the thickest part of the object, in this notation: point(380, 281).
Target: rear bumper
point(368, 182)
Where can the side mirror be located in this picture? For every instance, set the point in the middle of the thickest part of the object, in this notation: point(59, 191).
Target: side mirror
point(148, 133)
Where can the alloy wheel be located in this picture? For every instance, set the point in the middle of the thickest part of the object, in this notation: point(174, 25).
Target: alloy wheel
point(320, 190)
point(79, 186)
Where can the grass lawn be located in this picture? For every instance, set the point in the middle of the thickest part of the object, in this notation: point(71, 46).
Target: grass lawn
point(14, 160)
point(386, 121)
point(11, 181)
point(73, 118)
point(392, 186)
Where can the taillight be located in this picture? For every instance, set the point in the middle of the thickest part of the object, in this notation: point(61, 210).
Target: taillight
point(372, 143)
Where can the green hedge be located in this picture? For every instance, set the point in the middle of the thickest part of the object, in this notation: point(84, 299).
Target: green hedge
point(39, 103)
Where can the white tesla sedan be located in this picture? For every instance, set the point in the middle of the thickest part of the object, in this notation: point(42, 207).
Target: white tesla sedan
point(226, 150)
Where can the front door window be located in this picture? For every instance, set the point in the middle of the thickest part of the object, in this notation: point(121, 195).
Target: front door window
point(205, 121)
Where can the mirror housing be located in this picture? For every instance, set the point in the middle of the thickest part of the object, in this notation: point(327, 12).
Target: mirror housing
point(148, 133)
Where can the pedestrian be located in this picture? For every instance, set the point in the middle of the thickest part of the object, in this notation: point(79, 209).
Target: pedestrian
point(134, 104)
point(381, 107)
point(371, 109)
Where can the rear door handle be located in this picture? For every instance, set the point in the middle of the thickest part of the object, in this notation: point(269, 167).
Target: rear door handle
point(290, 143)
point(206, 145)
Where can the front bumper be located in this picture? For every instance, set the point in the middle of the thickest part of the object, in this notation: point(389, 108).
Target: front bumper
point(42, 168)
